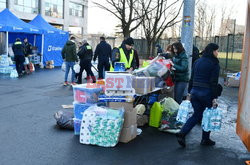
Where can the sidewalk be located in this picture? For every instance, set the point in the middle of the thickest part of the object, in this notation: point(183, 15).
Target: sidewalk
point(28, 134)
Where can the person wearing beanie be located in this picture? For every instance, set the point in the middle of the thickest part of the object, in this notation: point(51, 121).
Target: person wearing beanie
point(204, 91)
point(85, 55)
point(19, 52)
point(125, 53)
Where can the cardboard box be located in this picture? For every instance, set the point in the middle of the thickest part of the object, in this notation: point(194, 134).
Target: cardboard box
point(128, 134)
point(51, 62)
point(143, 85)
point(130, 117)
point(232, 82)
point(49, 66)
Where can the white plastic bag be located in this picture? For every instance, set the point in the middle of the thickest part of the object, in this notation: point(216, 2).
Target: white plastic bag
point(77, 68)
point(26, 62)
point(10, 61)
point(13, 73)
point(63, 67)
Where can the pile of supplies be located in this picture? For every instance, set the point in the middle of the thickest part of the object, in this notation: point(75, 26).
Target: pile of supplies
point(49, 64)
point(233, 79)
point(7, 66)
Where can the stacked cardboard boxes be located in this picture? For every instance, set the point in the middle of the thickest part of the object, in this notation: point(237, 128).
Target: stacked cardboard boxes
point(143, 85)
point(129, 130)
point(49, 64)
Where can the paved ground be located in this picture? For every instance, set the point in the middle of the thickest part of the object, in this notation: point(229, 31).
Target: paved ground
point(28, 135)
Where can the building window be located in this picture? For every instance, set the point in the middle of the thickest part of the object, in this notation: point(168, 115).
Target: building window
point(2, 4)
point(75, 9)
point(27, 6)
point(54, 8)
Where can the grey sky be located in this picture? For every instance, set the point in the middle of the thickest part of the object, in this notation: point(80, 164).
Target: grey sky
point(101, 21)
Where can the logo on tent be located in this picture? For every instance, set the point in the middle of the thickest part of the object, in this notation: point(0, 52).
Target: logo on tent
point(17, 28)
point(33, 30)
point(53, 48)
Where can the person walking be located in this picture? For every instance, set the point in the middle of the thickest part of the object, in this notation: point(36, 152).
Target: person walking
point(181, 75)
point(19, 52)
point(85, 55)
point(125, 53)
point(103, 52)
point(204, 91)
point(69, 56)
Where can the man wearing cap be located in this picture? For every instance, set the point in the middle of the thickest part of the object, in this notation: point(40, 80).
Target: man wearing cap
point(85, 54)
point(125, 53)
point(19, 52)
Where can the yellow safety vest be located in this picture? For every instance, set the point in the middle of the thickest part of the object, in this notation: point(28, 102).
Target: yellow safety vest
point(124, 59)
point(88, 47)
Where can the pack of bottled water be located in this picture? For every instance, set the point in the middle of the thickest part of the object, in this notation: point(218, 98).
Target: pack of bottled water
point(185, 111)
point(212, 118)
point(13, 73)
point(4, 61)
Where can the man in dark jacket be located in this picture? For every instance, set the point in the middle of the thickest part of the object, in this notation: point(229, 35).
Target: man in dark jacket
point(125, 53)
point(103, 52)
point(28, 51)
point(85, 54)
point(28, 47)
point(18, 49)
point(69, 56)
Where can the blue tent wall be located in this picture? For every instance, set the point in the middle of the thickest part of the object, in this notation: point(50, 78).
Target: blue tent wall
point(38, 43)
point(54, 40)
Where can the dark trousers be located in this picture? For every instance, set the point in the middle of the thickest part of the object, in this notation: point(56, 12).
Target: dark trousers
point(201, 98)
point(19, 63)
point(86, 65)
point(179, 90)
point(102, 65)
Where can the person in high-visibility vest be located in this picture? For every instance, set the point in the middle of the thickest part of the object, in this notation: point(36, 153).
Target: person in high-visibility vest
point(85, 54)
point(125, 53)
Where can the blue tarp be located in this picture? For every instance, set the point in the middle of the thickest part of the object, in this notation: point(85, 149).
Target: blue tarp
point(54, 40)
point(10, 23)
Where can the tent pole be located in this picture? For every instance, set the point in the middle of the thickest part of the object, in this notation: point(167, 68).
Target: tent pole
point(34, 43)
point(42, 51)
point(7, 43)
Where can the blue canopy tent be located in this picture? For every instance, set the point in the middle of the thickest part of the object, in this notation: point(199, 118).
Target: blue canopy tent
point(16, 28)
point(54, 40)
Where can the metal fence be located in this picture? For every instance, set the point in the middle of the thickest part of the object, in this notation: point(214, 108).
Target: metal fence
point(230, 47)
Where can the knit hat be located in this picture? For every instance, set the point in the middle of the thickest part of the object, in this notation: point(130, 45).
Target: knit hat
point(129, 41)
point(84, 41)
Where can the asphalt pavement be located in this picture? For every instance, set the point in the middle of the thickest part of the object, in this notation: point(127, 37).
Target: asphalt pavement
point(29, 135)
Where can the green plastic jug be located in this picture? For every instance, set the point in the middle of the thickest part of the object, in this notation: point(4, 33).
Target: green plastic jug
point(155, 115)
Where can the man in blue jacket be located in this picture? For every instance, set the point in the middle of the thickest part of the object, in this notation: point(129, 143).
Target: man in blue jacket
point(18, 50)
point(103, 52)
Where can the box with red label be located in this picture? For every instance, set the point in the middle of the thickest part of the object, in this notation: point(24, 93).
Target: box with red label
point(86, 93)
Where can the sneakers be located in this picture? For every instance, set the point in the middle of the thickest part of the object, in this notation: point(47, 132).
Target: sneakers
point(65, 83)
point(181, 139)
point(208, 142)
point(73, 83)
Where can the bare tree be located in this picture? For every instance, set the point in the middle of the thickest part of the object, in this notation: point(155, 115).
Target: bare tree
point(204, 22)
point(124, 10)
point(161, 15)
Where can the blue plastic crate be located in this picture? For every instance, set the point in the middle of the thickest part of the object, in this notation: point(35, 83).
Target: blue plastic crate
point(79, 108)
point(77, 126)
